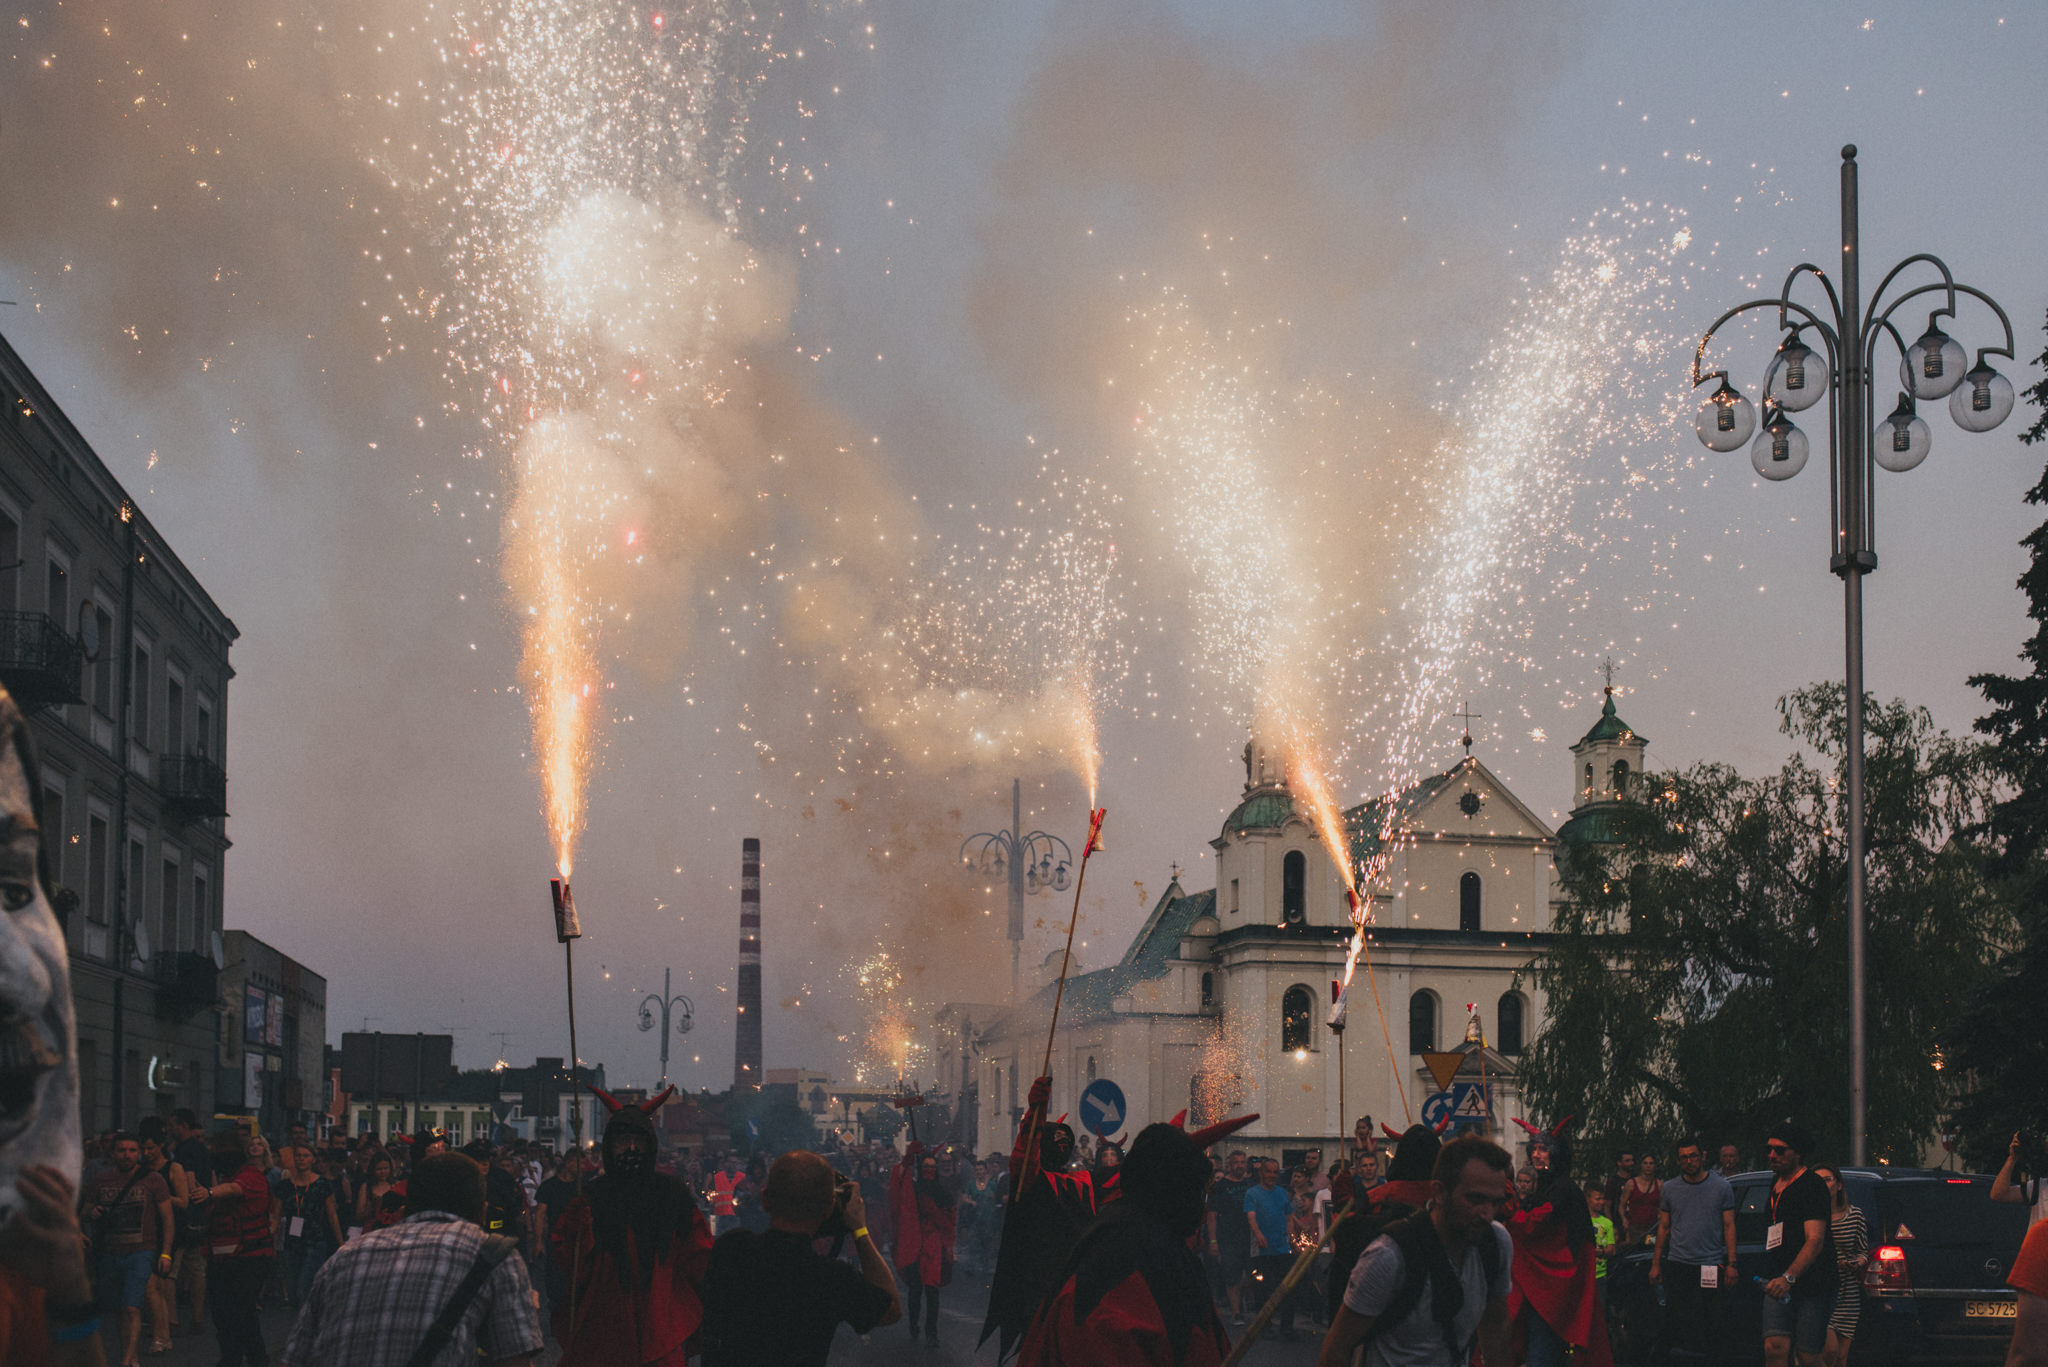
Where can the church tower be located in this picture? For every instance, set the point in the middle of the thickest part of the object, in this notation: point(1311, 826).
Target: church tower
point(1607, 763)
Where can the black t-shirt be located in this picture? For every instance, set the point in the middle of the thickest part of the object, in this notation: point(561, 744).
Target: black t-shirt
point(554, 1195)
point(1226, 1201)
point(1805, 1199)
point(197, 1160)
point(770, 1301)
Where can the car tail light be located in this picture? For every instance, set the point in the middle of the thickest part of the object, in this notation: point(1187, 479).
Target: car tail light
point(1887, 1270)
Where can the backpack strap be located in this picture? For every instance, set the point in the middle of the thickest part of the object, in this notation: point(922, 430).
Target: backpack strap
point(496, 1248)
point(1414, 1275)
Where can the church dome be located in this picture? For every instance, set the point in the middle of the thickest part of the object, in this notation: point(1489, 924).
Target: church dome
point(1611, 727)
point(1263, 811)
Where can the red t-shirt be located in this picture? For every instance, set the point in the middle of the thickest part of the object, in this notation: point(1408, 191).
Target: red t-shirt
point(2030, 1269)
point(241, 1229)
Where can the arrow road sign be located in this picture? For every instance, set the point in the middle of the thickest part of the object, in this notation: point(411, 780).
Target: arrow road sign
point(1102, 1108)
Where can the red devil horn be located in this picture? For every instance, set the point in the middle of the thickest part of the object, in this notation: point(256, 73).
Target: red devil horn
point(1221, 1130)
point(1062, 1120)
point(654, 1103)
point(1534, 1133)
point(1560, 1126)
point(611, 1103)
point(1390, 1132)
point(1180, 1119)
point(1441, 1125)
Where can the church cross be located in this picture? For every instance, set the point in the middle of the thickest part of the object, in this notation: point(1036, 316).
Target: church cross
point(1175, 866)
point(1607, 668)
point(1468, 716)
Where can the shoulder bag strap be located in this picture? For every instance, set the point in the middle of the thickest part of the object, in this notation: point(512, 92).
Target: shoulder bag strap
point(494, 1251)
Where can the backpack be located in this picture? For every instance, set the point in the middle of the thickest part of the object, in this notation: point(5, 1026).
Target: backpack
point(1424, 1264)
point(1352, 1234)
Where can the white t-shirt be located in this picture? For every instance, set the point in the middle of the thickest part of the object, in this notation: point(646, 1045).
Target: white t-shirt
point(1418, 1341)
point(1322, 1212)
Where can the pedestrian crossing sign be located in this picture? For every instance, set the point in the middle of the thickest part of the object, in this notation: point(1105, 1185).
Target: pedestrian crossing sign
point(1465, 1104)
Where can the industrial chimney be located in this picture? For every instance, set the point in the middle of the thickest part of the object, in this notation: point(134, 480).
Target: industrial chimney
point(746, 1049)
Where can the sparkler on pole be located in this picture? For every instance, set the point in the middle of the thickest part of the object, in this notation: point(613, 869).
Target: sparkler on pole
point(568, 930)
point(1094, 843)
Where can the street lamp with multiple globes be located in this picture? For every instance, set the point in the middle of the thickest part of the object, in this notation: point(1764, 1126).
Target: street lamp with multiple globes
point(1934, 366)
point(1030, 861)
point(683, 1013)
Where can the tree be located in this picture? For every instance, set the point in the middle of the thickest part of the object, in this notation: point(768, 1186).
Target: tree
point(1699, 985)
point(783, 1124)
point(881, 1121)
point(2000, 1043)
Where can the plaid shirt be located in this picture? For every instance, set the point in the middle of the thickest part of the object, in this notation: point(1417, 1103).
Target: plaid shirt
point(373, 1301)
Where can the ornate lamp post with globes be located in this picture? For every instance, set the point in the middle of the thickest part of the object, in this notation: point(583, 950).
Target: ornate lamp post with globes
point(1026, 859)
point(1798, 377)
point(677, 1006)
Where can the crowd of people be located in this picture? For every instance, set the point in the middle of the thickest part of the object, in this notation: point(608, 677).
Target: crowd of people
point(189, 1230)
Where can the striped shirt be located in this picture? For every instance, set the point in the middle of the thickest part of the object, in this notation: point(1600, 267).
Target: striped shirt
point(373, 1301)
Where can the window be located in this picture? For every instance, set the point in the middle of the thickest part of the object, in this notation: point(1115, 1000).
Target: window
point(10, 560)
point(55, 840)
point(203, 732)
point(1294, 887)
point(1208, 989)
point(134, 889)
point(1468, 902)
point(1233, 895)
point(103, 663)
point(96, 899)
point(202, 909)
point(1620, 777)
point(1091, 1067)
point(1589, 778)
point(1297, 1010)
point(139, 686)
point(170, 935)
point(1422, 1023)
point(174, 716)
point(1509, 1029)
point(57, 593)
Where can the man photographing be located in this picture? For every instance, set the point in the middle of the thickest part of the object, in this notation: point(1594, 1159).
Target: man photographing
point(770, 1300)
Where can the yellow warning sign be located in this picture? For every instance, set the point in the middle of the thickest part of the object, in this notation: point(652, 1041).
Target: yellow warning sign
point(1442, 1067)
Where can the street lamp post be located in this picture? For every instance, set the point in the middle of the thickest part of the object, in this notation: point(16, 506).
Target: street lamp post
point(1797, 378)
point(1028, 860)
point(665, 1004)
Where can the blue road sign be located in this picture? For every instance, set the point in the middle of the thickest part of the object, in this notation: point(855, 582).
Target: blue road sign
point(1102, 1108)
point(1465, 1103)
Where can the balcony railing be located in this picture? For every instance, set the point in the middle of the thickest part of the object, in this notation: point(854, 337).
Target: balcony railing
point(40, 665)
point(193, 786)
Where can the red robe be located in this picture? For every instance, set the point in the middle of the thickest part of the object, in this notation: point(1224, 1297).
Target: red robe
point(1135, 1297)
point(925, 1230)
point(1557, 1284)
point(617, 1324)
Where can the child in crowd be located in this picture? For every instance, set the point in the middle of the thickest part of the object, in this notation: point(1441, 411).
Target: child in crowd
point(1604, 1240)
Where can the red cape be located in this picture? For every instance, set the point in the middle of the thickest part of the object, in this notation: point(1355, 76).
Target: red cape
point(1556, 1284)
point(617, 1324)
point(1134, 1297)
point(925, 1230)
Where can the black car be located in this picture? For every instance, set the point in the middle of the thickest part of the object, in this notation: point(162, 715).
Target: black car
point(1935, 1290)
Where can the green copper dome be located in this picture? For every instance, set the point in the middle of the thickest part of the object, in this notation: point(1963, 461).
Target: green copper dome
point(1264, 811)
point(1611, 727)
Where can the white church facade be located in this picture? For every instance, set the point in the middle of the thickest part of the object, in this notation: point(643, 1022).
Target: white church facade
point(1221, 1002)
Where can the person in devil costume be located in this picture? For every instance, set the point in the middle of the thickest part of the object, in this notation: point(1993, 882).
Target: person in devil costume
point(636, 1247)
point(1133, 1290)
point(926, 1227)
point(1049, 1207)
point(1405, 1192)
point(1555, 1299)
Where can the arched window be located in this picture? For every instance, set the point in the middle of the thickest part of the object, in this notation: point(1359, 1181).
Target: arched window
point(1509, 1030)
point(1589, 778)
point(1294, 887)
point(1297, 1010)
point(1208, 989)
point(1422, 1023)
point(1091, 1067)
point(1468, 902)
point(1620, 777)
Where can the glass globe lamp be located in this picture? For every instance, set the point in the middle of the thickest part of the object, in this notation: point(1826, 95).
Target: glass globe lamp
point(1982, 401)
point(1780, 450)
point(1902, 439)
point(1933, 365)
point(1797, 378)
point(1725, 419)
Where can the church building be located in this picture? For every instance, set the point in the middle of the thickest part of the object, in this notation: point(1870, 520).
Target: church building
point(1221, 1003)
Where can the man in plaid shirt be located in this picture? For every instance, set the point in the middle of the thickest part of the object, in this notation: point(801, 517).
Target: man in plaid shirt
point(373, 1301)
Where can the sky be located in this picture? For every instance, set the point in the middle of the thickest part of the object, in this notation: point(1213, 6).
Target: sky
point(1320, 367)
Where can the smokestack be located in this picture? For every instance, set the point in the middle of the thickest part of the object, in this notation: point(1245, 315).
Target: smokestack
point(746, 1049)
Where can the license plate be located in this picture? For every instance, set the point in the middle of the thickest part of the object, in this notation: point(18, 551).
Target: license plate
point(1991, 1310)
